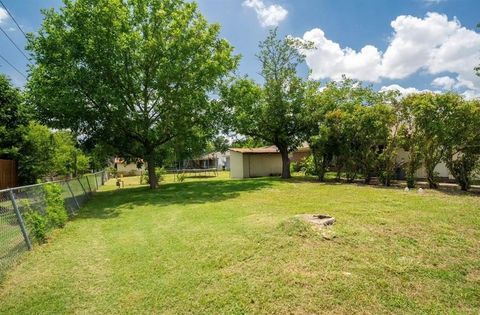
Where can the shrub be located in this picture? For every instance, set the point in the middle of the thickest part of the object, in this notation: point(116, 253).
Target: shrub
point(37, 224)
point(159, 172)
point(309, 166)
point(293, 167)
point(410, 182)
point(55, 215)
point(55, 210)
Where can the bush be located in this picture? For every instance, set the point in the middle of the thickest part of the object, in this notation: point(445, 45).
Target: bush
point(55, 215)
point(38, 225)
point(55, 210)
point(410, 182)
point(159, 172)
point(309, 166)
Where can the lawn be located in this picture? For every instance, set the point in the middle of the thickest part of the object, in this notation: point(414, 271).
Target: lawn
point(220, 246)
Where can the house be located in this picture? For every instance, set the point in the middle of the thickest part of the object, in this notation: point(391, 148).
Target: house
point(217, 160)
point(128, 169)
point(301, 153)
point(402, 158)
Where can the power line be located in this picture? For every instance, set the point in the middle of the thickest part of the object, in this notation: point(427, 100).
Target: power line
point(15, 68)
point(11, 15)
point(11, 40)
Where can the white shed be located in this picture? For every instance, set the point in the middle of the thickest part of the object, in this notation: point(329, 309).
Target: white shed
point(256, 162)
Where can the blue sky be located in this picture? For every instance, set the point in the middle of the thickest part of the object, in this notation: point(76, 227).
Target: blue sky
point(405, 44)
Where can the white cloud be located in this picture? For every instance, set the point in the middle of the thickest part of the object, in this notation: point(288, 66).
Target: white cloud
point(329, 60)
point(3, 15)
point(403, 91)
point(445, 82)
point(433, 1)
point(432, 44)
point(268, 15)
point(471, 94)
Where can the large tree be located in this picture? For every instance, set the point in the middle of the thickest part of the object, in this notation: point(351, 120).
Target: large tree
point(134, 74)
point(348, 124)
point(460, 141)
point(13, 115)
point(272, 112)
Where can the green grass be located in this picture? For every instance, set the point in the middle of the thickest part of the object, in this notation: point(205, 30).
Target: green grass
point(220, 246)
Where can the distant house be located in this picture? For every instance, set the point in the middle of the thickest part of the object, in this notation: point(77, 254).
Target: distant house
point(402, 158)
point(217, 160)
point(128, 169)
point(301, 153)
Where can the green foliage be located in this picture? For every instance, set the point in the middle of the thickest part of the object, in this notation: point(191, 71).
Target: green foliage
point(55, 216)
point(136, 75)
point(47, 153)
point(248, 142)
point(441, 127)
point(13, 116)
point(460, 141)
point(349, 125)
point(410, 181)
point(38, 225)
point(55, 207)
point(272, 112)
point(308, 166)
point(160, 173)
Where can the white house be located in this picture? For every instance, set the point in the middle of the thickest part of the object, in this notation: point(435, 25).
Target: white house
point(128, 169)
point(218, 160)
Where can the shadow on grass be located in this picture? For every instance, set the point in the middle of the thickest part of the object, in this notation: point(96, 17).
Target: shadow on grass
point(108, 204)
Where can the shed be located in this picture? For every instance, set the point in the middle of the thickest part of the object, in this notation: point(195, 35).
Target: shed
point(255, 162)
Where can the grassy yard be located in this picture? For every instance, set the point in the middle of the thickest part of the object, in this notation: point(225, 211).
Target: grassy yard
point(219, 246)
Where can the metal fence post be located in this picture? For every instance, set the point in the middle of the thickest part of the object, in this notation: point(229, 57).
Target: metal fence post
point(96, 180)
point(88, 182)
point(20, 220)
point(73, 195)
point(84, 191)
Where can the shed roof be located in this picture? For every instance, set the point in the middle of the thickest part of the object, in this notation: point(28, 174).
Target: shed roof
point(262, 150)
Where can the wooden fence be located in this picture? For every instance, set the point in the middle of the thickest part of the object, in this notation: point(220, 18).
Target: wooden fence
point(8, 174)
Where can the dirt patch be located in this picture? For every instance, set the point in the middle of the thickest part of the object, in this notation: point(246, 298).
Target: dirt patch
point(322, 222)
point(318, 219)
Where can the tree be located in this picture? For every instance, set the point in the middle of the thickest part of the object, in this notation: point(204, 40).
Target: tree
point(13, 115)
point(426, 110)
point(347, 124)
point(132, 74)
point(460, 140)
point(271, 112)
point(45, 153)
point(411, 137)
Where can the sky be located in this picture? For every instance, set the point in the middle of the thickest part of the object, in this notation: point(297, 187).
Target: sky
point(409, 45)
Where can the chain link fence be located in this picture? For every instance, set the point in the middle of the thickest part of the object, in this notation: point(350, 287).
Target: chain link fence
point(16, 202)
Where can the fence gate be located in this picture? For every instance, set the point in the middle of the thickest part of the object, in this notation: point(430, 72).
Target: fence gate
point(8, 174)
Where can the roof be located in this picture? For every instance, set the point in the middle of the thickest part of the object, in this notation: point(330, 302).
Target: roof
point(262, 150)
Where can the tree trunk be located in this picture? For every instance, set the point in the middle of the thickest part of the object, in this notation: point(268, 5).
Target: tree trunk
point(319, 167)
point(152, 177)
point(432, 183)
point(285, 163)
